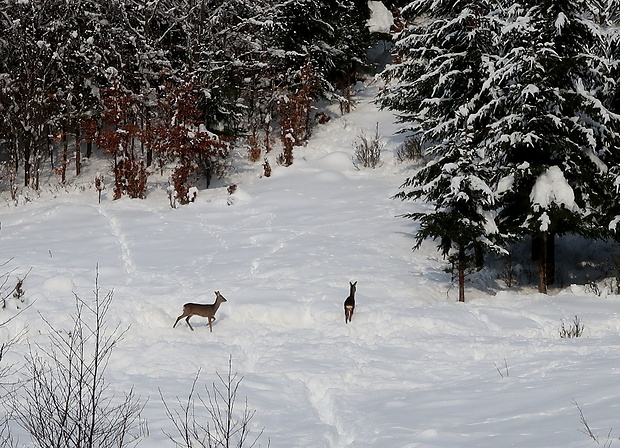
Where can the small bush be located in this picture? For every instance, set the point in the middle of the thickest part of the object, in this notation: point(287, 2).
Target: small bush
point(254, 149)
point(587, 430)
point(593, 288)
point(506, 372)
point(99, 185)
point(213, 420)
point(368, 151)
point(65, 400)
point(172, 195)
point(410, 151)
point(232, 188)
point(16, 292)
point(267, 168)
point(573, 330)
point(510, 271)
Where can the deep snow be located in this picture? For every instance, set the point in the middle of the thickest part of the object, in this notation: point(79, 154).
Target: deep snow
point(414, 368)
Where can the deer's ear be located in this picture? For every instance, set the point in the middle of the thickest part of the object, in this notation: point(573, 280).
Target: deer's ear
point(216, 292)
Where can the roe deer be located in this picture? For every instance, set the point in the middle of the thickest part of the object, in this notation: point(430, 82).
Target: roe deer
point(196, 309)
point(349, 303)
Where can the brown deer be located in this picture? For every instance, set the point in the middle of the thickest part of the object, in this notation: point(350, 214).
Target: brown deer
point(349, 303)
point(196, 309)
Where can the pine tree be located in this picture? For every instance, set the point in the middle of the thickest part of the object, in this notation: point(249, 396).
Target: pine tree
point(330, 35)
point(444, 60)
point(349, 46)
point(547, 129)
point(609, 19)
point(462, 215)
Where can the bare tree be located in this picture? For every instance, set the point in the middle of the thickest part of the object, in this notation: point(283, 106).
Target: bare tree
point(588, 431)
point(65, 401)
point(224, 427)
point(9, 289)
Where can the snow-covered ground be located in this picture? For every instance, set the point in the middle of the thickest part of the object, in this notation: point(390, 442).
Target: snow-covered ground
point(414, 368)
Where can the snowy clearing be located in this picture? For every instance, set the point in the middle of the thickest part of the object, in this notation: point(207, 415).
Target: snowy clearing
point(413, 369)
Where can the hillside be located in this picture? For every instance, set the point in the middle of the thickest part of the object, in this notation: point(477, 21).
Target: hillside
point(413, 369)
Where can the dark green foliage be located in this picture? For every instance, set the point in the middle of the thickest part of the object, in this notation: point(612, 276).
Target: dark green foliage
point(521, 96)
point(441, 75)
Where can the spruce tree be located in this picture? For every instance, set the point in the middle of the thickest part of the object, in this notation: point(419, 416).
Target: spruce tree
point(349, 46)
point(547, 129)
point(609, 18)
point(444, 62)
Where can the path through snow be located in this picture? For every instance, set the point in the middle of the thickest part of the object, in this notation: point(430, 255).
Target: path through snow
point(413, 369)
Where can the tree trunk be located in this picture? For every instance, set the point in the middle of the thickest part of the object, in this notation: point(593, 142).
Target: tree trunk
point(78, 151)
point(543, 251)
point(462, 265)
point(14, 148)
point(542, 263)
point(50, 146)
point(36, 168)
point(64, 161)
point(479, 256)
point(27, 161)
point(550, 259)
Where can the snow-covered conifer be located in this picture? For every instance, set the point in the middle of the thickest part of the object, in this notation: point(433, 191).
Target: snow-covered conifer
point(443, 61)
point(547, 125)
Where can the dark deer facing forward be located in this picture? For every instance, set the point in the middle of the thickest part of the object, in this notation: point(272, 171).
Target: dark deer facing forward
point(196, 309)
point(349, 303)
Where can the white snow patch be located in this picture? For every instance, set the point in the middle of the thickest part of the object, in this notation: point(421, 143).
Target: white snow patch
point(413, 369)
point(560, 23)
point(335, 161)
point(505, 184)
point(552, 188)
point(59, 284)
point(381, 19)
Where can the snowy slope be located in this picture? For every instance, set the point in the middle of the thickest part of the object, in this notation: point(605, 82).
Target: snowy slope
point(413, 369)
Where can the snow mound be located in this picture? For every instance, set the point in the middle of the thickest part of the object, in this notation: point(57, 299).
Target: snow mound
point(336, 161)
point(59, 284)
point(329, 177)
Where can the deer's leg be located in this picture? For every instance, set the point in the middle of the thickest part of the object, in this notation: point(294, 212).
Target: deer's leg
point(178, 319)
point(348, 312)
point(190, 325)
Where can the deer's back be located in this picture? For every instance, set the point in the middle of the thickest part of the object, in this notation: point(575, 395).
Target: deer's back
point(199, 309)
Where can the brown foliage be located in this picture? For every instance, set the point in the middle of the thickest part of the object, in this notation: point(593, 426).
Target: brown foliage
point(294, 115)
point(267, 168)
point(322, 118)
point(180, 180)
point(254, 150)
point(90, 131)
point(178, 136)
point(117, 139)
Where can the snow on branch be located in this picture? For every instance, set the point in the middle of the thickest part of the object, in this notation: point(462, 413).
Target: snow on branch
point(552, 188)
point(560, 23)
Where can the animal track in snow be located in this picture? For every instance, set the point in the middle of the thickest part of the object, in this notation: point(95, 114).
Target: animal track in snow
point(117, 232)
point(321, 397)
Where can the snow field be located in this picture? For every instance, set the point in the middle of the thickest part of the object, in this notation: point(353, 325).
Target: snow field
point(413, 369)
